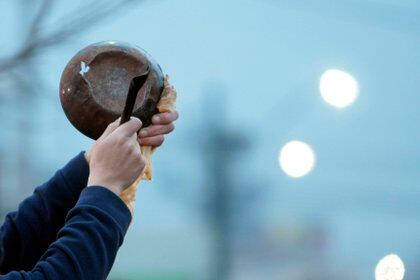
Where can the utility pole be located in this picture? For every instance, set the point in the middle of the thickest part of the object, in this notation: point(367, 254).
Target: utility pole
point(220, 148)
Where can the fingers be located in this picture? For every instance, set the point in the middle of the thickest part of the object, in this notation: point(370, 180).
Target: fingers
point(165, 118)
point(129, 128)
point(154, 141)
point(155, 130)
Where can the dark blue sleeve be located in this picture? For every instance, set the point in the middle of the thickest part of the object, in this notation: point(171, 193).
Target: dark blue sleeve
point(27, 233)
point(87, 244)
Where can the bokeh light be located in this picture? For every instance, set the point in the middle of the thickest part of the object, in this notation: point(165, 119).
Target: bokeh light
point(391, 267)
point(297, 159)
point(338, 88)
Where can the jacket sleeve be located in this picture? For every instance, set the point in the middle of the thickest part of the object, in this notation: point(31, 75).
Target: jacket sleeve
point(87, 245)
point(28, 232)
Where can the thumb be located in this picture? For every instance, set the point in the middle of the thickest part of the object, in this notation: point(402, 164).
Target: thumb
point(110, 128)
point(129, 128)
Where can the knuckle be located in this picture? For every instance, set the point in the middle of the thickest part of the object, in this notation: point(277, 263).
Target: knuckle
point(124, 144)
point(120, 140)
point(132, 149)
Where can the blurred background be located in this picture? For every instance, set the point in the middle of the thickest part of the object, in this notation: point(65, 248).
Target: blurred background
point(296, 155)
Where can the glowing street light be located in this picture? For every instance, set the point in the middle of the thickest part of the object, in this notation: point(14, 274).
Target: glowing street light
point(297, 159)
point(391, 267)
point(338, 88)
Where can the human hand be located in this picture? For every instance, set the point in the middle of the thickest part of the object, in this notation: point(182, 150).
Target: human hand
point(154, 135)
point(115, 159)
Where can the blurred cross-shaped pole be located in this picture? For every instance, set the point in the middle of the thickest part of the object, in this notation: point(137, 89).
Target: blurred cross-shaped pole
point(220, 148)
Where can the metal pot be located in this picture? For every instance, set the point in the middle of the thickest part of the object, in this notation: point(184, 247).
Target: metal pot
point(95, 83)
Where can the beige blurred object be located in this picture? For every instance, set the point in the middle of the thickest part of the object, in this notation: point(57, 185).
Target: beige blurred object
point(165, 104)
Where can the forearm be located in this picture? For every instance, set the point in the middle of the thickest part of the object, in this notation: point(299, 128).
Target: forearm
point(87, 245)
point(28, 232)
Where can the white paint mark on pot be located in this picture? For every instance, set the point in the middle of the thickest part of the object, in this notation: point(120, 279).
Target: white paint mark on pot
point(83, 68)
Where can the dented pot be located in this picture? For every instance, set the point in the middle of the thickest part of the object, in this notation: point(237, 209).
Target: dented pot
point(95, 82)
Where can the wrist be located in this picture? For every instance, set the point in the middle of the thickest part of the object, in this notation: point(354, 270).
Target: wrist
point(115, 188)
